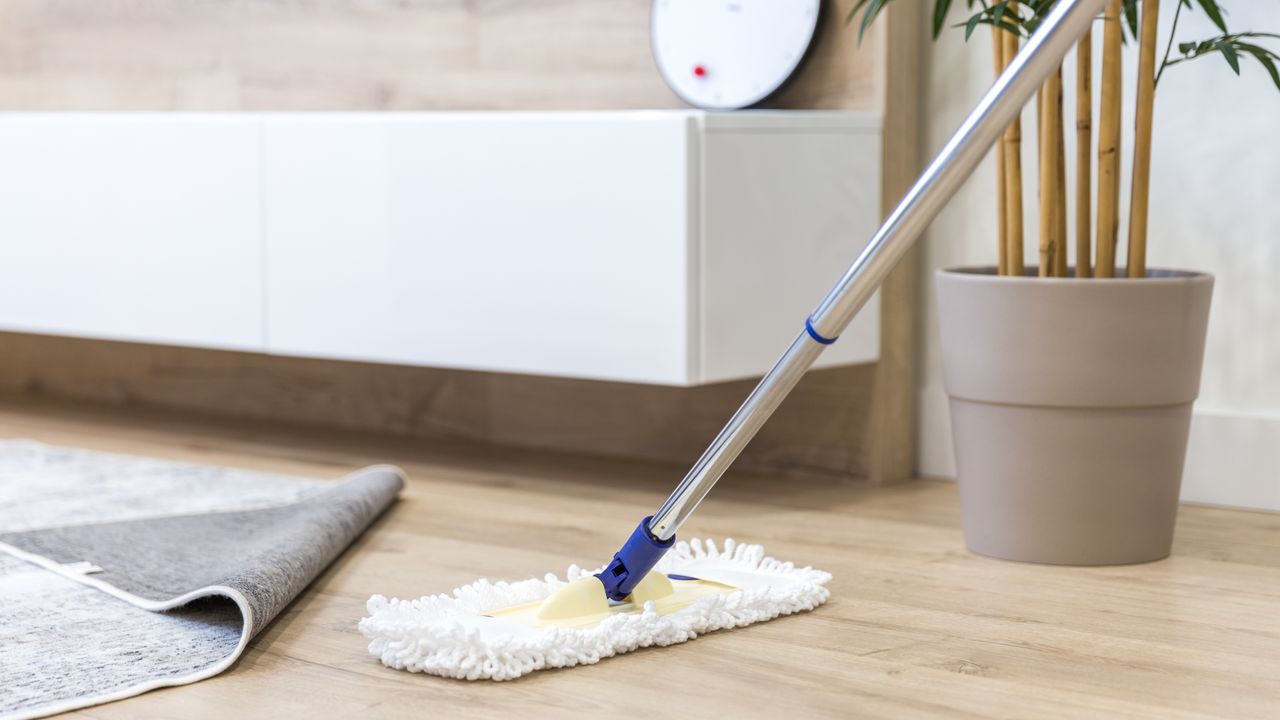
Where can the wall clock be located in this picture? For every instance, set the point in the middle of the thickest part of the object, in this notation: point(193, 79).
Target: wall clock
point(728, 54)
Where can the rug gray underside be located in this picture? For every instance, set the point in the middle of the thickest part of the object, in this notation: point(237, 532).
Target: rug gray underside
point(264, 536)
point(268, 555)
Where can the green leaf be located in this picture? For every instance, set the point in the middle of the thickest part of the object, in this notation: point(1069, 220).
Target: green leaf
point(1215, 13)
point(853, 11)
point(940, 10)
point(873, 9)
point(970, 25)
point(1270, 65)
point(1229, 53)
point(1231, 45)
point(1131, 16)
point(1039, 11)
point(996, 16)
point(1009, 26)
point(1265, 57)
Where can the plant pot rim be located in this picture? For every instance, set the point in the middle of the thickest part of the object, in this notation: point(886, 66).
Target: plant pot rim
point(987, 273)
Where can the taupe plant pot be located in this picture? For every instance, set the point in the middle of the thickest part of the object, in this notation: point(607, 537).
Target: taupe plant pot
point(1070, 408)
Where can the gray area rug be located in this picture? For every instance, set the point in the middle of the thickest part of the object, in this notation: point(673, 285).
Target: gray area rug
point(121, 574)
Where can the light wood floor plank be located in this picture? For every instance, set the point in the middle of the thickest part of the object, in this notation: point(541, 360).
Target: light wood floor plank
point(916, 627)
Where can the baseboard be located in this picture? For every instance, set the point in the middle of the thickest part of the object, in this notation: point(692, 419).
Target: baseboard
point(1232, 459)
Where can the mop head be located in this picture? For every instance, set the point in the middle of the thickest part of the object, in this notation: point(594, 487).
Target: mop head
point(500, 631)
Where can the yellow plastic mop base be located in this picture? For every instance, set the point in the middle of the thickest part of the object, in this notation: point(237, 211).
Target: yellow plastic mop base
point(582, 603)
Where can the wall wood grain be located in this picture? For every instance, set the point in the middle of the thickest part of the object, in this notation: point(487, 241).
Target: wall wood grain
point(821, 429)
point(369, 55)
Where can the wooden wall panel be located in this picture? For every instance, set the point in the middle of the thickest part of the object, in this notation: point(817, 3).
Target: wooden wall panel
point(819, 430)
point(368, 55)
point(891, 447)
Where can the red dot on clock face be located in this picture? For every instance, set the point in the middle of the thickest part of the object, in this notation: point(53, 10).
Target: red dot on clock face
point(699, 71)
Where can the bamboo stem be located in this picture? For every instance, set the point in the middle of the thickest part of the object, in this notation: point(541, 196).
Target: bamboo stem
point(1012, 143)
point(1002, 232)
point(1060, 185)
point(1138, 201)
point(1050, 96)
point(1084, 154)
point(1108, 221)
point(1045, 167)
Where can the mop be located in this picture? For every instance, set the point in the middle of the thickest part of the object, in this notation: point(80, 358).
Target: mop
point(657, 591)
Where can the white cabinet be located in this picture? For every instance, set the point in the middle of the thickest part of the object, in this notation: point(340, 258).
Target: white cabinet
point(553, 244)
point(658, 247)
point(670, 247)
point(131, 227)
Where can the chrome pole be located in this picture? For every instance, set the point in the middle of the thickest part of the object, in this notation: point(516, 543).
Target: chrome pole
point(1064, 26)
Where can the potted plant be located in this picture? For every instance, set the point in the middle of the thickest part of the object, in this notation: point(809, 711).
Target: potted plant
point(1071, 381)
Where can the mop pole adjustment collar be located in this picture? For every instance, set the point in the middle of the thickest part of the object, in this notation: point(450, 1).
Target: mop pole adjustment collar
point(636, 558)
point(817, 336)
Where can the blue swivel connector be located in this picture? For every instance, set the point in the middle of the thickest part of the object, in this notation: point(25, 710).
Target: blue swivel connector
point(636, 558)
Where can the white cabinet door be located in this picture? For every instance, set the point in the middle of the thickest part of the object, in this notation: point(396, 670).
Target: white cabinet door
point(784, 213)
point(131, 227)
point(557, 244)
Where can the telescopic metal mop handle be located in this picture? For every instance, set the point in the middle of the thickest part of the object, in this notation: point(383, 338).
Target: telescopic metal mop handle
point(1059, 32)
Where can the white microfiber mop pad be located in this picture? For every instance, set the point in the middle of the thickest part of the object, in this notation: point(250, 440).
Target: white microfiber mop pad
point(451, 636)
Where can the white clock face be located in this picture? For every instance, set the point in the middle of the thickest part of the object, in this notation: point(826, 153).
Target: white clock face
point(726, 54)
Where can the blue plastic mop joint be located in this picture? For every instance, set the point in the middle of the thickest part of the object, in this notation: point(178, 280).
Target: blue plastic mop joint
point(636, 558)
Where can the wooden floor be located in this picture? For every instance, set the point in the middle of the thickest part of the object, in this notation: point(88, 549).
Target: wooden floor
point(916, 626)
